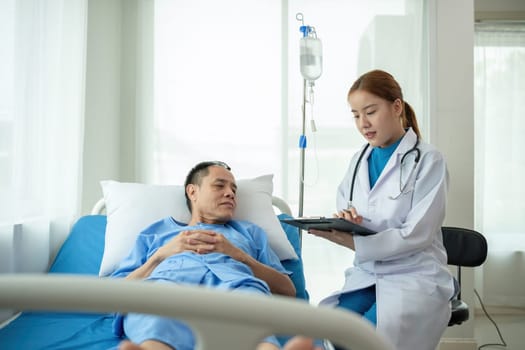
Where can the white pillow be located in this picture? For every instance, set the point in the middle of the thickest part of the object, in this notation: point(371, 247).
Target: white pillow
point(131, 207)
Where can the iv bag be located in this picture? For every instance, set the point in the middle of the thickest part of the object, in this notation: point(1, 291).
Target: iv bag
point(311, 58)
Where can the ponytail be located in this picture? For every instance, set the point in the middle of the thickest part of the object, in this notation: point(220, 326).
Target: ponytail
point(409, 119)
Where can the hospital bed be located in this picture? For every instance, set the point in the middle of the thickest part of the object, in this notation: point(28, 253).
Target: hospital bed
point(71, 307)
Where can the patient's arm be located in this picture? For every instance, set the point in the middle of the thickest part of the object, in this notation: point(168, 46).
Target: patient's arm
point(278, 282)
point(145, 270)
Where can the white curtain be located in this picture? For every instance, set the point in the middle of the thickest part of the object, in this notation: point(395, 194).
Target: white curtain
point(228, 87)
point(42, 61)
point(500, 158)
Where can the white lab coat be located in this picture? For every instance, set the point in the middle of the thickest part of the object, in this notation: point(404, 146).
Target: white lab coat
point(406, 259)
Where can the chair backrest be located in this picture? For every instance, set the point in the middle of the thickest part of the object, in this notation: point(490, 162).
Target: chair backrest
point(464, 247)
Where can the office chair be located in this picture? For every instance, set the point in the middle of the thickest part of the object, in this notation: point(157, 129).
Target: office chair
point(464, 248)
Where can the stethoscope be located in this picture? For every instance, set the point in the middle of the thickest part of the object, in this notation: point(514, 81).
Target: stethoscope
point(402, 188)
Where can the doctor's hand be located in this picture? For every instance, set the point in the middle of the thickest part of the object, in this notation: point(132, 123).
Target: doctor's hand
point(350, 215)
point(342, 238)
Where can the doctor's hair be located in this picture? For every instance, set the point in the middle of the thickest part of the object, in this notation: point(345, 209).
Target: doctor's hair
point(197, 173)
point(382, 84)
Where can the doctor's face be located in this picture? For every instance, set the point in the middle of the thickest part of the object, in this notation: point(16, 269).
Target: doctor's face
point(377, 119)
point(214, 199)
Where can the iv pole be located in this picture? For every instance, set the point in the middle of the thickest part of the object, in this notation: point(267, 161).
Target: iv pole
point(302, 146)
point(309, 38)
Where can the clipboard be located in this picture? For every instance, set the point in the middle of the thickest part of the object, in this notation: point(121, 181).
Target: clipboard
point(328, 224)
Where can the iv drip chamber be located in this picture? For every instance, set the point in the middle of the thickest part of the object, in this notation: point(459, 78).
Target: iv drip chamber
point(311, 59)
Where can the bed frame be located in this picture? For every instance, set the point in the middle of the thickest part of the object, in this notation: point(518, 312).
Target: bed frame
point(220, 319)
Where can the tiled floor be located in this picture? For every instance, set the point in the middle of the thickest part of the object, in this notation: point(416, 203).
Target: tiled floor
point(511, 326)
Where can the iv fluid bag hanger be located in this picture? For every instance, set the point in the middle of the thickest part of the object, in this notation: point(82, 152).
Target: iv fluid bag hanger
point(311, 52)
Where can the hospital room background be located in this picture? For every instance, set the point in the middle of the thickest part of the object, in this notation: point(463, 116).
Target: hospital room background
point(141, 90)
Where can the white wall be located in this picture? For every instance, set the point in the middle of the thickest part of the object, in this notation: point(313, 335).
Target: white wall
point(119, 71)
point(452, 121)
point(103, 92)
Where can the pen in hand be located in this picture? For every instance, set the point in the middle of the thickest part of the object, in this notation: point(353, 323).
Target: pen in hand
point(353, 213)
point(364, 218)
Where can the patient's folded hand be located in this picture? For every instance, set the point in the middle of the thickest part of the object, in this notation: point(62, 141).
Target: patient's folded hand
point(198, 241)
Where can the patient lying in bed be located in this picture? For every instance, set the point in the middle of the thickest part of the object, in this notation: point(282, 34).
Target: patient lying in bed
point(212, 250)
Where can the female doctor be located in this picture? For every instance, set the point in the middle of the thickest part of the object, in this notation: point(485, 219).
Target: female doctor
point(396, 185)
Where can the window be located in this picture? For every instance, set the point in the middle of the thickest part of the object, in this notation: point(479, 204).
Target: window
point(499, 128)
point(41, 107)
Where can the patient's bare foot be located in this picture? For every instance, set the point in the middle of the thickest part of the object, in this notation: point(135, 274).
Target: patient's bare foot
point(301, 343)
point(147, 345)
point(296, 343)
point(127, 345)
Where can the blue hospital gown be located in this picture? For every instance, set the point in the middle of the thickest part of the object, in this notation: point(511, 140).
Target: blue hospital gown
point(215, 270)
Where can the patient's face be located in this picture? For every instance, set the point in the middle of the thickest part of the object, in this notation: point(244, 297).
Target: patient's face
point(215, 199)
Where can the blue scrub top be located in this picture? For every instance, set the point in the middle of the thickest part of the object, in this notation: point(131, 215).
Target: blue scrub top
point(190, 267)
